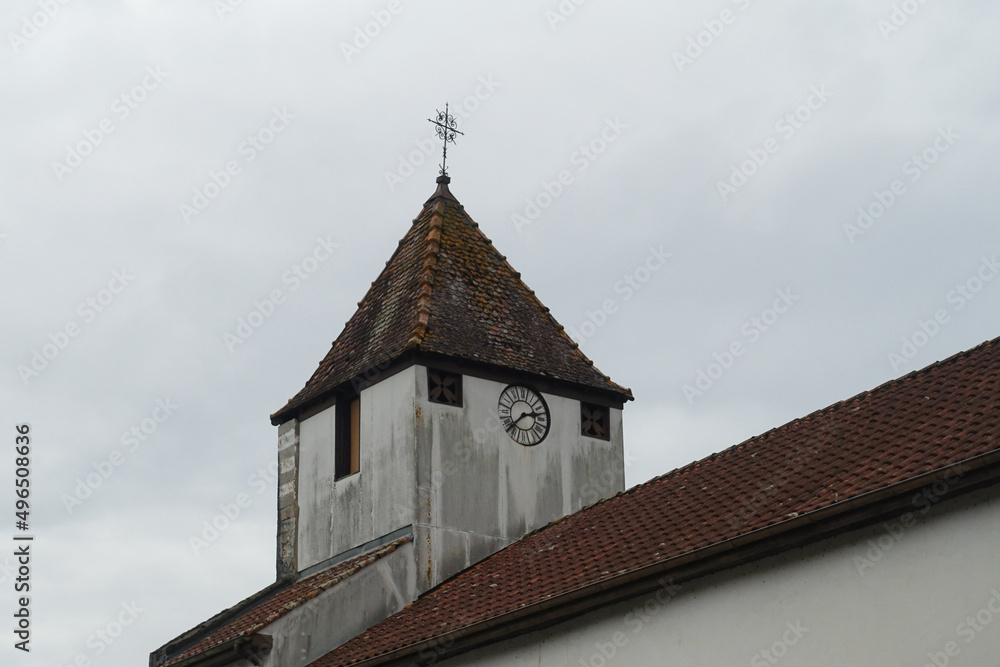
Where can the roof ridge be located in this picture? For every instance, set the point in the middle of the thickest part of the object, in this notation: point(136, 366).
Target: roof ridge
point(427, 273)
point(882, 388)
point(541, 306)
point(545, 309)
point(885, 386)
point(222, 619)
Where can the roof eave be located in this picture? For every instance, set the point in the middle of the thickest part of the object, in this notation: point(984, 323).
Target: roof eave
point(414, 355)
point(178, 645)
point(247, 647)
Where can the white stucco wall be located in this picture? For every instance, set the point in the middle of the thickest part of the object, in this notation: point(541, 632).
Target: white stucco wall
point(885, 596)
point(479, 490)
point(337, 516)
point(452, 472)
point(341, 612)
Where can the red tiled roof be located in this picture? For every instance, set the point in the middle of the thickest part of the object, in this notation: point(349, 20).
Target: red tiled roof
point(273, 605)
point(447, 291)
point(913, 426)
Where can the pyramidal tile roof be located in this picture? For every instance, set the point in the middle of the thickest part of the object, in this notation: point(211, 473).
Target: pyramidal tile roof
point(448, 291)
point(854, 463)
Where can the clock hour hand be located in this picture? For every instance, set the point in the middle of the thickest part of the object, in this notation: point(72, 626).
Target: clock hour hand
point(526, 414)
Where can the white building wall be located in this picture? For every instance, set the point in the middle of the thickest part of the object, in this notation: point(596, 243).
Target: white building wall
point(346, 609)
point(885, 596)
point(315, 487)
point(479, 490)
point(451, 472)
point(337, 516)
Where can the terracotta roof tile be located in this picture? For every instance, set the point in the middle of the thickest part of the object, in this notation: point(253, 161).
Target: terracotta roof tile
point(447, 291)
point(916, 425)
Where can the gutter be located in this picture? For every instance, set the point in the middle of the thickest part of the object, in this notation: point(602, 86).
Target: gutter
point(247, 647)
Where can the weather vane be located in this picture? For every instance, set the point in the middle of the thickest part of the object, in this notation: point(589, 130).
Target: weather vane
point(447, 128)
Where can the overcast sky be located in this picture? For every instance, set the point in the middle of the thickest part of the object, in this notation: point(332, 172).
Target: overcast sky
point(821, 175)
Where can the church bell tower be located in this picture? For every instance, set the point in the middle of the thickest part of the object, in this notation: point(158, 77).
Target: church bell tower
point(452, 416)
point(453, 410)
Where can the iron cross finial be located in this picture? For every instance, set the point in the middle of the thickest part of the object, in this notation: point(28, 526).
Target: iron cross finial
point(447, 128)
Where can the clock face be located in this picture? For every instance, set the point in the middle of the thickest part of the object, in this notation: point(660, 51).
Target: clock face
point(524, 414)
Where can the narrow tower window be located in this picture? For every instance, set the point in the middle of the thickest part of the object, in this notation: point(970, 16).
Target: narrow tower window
point(347, 441)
